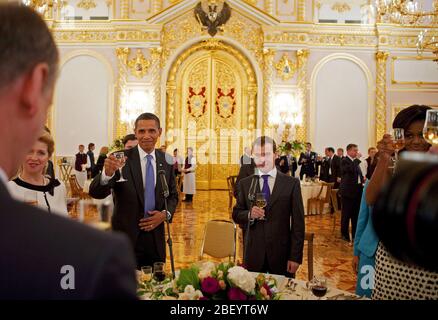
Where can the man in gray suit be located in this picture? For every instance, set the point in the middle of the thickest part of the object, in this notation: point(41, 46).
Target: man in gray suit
point(139, 208)
point(45, 256)
point(275, 237)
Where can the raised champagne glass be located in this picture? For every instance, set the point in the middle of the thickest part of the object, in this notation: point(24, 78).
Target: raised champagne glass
point(120, 156)
point(261, 202)
point(430, 131)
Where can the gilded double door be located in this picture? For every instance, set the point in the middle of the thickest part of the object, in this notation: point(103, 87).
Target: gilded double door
point(211, 111)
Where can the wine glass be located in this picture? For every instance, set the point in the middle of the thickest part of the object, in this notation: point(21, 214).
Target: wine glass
point(261, 202)
point(159, 274)
point(319, 287)
point(430, 131)
point(120, 156)
point(146, 273)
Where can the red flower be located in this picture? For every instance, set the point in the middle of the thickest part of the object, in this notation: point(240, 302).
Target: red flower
point(236, 294)
point(210, 285)
point(268, 289)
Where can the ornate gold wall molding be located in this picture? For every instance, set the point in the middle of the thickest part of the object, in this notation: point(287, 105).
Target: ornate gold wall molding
point(186, 27)
point(286, 68)
point(301, 12)
point(139, 65)
point(124, 9)
point(156, 54)
point(302, 57)
point(268, 56)
point(122, 60)
point(158, 6)
point(381, 58)
point(269, 6)
point(86, 4)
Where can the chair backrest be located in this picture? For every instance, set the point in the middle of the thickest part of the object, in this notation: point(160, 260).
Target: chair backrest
point(219, 239)
point(231, 182)
point(334, 198)
point(329, 186)
point(76, 190)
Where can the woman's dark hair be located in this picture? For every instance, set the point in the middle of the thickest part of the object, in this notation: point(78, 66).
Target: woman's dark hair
point(405, 215)
point(409, 115)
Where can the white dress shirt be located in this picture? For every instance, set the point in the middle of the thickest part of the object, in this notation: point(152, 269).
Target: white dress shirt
point(143, 161)
point(271, 180)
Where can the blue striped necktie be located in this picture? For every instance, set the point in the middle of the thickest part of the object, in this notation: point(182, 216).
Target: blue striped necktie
point(265, 190)
point(149, 187)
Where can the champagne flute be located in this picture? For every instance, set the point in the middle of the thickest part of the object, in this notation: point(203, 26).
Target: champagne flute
point(120, 156)
point(261, 202)
point(430, 131)
point(399, 141)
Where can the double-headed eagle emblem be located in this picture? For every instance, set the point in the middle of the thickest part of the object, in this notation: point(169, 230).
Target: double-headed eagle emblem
point(212, 15)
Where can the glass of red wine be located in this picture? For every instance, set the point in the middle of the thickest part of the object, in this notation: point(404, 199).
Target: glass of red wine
point(159, 273)
point(319, 287)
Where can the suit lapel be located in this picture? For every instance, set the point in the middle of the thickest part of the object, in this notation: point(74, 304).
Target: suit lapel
point(135, 167)
point(159, 166)
point(276, 190)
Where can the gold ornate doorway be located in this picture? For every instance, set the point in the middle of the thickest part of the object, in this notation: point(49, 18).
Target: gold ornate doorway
point(211, 107)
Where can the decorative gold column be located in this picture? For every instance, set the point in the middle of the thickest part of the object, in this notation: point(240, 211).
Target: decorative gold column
point(268, 58)
point(170, 117)
point(124, 9)
point(252, 96)
point(156, 78)
point(122, 59)
point(269, 6)
point(301, 10)
point(381, 58)
point(302, 57)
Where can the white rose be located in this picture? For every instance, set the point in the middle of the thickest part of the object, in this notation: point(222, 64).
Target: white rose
point(206, 270)
point(190, 293)
point(242, 279)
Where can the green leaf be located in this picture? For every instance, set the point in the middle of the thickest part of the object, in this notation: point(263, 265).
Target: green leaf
point(188, 277)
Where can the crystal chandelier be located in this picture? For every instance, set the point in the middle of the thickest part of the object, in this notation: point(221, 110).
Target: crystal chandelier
point(412, 13)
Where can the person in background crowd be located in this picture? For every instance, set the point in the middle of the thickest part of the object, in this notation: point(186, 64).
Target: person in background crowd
point(100, 161)
point(36, 247)
point(246, 157)
point(33, 186)
point(370, 162)
point(130, 141)
point(307, 162)
point(351, 191)
point(177, 163)
point(81, 165)
point(340, 153)
point(90, 160)
point(189, 187)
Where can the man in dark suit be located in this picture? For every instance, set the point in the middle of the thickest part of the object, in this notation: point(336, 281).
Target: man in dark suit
point(282, 164)
point(139, 208)
point(307, 162)
point(246, 157)
point(275, 238)
point(330, 167)
point(351, 191)
point(45, 256)
point(293, 164)
point(90, 155)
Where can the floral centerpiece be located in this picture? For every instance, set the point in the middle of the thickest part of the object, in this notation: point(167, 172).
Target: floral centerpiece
point(294, 147)
point(209, 281)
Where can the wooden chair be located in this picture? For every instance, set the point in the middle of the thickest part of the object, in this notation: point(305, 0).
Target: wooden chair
point(320, 200)
point(309, 238)
point(75, 188)
point(231, 182)
point(219, 239)
point(335, 204)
